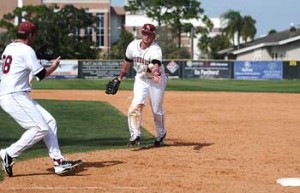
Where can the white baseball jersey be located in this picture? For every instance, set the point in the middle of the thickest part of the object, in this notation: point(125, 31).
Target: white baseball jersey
point(19, 60)
point(142, 58)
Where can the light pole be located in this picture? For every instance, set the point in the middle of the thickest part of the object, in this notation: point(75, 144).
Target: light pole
point(17, 18)
point(192, 42)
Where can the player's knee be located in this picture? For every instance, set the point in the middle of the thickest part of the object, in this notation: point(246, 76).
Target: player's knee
point(135, 110)
point(157, 110)
point(43, 128)
point(42, 131)
point(53, 126)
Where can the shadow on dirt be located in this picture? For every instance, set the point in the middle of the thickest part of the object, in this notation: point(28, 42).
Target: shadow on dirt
point(86, 165)
point(175, 143)
point(101, 164)
point(83, 167)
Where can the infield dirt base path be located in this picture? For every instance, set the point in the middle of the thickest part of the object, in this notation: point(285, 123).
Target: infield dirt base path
point(216, 143)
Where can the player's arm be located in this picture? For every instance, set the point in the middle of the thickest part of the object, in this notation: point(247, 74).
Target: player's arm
point(155, 70)
point(126, 65)
point(45, 72)
point(157, 62)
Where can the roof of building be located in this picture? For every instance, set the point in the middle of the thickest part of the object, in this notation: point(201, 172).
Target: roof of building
point(275, 37)
point(278, 38)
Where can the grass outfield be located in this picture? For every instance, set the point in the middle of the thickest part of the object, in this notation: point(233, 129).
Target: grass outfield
point(276, 86)
point(100, 127)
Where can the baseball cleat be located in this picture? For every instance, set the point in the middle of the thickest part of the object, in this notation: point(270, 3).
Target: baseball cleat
point(159, 142)
point(65, 167)
point(7, 163)
point(134, 142)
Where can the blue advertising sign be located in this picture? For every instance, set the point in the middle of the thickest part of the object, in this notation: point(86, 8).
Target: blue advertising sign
point(258, 70)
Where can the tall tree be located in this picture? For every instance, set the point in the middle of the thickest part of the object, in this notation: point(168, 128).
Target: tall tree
point(170, 13)
point(153, 8)
point(248, 30)
point(57, 27)
point(217, 43)
point(238, 27)
point(210, 46)
point(119, 48)
point(204, 45)
point(234, 23)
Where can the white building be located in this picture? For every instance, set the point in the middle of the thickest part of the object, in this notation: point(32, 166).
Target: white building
point(133, 22)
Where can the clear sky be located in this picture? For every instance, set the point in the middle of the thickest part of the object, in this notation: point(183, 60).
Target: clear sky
point(269, 14)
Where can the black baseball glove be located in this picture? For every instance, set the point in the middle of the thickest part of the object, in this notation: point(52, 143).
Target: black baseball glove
point(46, 52)
point(112, 86)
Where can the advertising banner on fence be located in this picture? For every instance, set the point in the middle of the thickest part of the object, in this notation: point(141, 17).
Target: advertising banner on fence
point(172, 69)
point(68, 69)
point(99, 69)
point(206, 69)
point(258, 70)
point(291, 69)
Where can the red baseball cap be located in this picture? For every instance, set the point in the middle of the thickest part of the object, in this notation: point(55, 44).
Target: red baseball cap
point(148, 29)
point(26, 27)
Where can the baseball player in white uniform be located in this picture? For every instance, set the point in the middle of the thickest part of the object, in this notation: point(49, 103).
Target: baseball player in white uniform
point(19, 61)
point(150, 80)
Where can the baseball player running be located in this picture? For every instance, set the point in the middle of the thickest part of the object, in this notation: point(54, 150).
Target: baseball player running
point(150, 80)
point(19, 61)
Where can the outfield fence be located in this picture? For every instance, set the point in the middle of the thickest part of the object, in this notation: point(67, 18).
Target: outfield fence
point(181, 69)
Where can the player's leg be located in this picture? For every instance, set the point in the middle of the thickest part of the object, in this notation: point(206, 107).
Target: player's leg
point(156, 96)
point(50, 139)
point(22, 109)
point(61, 166)
point(134, 123)
point(135, 110)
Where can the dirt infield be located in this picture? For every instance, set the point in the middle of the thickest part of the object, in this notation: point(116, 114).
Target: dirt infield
point(216, 143)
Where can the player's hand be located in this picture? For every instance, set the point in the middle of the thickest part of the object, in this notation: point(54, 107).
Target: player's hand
point(56, 61)
point(156, 77)
point(156, 73)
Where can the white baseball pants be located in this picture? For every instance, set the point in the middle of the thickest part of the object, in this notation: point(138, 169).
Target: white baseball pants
point(37, 122)
point(144, 87)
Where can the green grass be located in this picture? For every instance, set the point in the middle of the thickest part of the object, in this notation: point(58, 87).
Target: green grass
point(226, 85)
point(82, 126)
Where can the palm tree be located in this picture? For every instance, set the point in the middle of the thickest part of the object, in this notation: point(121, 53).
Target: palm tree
point(234, 25)
point(248, 30)
point(204, 45)
point(238, 27)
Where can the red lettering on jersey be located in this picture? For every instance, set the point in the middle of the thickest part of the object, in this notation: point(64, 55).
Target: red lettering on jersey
point(140, 60)
point(6, 64)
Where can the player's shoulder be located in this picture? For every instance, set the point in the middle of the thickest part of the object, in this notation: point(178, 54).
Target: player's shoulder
point(20, 46)
point(155, 43)
point(135, 42)
point(155, 46)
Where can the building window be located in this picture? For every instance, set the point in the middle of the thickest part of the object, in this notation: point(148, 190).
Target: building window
point(76, 34)
point(89, 33)
point(100, 30)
